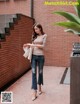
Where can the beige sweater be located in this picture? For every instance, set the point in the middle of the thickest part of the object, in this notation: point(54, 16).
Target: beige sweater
point(41, 40)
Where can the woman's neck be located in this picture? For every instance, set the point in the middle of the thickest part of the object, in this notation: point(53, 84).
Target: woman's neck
point(39, 34)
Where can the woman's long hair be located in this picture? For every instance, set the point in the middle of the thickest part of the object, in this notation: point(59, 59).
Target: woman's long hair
point(34, 36)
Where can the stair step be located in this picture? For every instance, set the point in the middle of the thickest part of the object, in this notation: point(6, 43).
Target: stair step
point(6, 22)
point(7, 17)
point(2, 30)
point(2, 36)
point(4, 25)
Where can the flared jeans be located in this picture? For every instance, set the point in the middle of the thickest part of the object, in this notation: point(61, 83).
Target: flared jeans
point(37, 62)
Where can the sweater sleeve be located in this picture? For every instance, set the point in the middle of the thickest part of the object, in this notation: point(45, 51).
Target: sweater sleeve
point(44, 39)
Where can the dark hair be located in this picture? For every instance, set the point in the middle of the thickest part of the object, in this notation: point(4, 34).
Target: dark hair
point(34, 36)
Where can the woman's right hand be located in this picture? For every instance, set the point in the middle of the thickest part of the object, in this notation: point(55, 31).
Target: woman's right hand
point(25, 45)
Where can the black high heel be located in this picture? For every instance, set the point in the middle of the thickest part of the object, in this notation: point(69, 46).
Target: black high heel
point(34, 98)
point(40, 92)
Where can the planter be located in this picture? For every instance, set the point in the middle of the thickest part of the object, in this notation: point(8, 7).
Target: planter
point(75, 75)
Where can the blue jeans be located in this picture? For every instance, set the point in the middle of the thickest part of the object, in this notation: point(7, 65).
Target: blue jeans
point(37, 60)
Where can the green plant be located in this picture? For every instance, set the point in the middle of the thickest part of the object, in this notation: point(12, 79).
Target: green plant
point(73, 23)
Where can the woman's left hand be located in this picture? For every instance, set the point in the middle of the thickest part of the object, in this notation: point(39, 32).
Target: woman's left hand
point(28, 44)
point(31, 45)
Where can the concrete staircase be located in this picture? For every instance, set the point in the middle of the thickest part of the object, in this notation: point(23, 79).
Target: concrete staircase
point(7, 22)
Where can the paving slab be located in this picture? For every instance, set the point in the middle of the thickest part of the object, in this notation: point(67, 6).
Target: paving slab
point(53, 91)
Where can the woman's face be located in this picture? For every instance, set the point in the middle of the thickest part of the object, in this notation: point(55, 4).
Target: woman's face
point(37, 30)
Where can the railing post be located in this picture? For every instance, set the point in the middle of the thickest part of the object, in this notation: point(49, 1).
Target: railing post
point(32, 8)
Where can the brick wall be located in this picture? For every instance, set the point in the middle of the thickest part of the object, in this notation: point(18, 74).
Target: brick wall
point(59, 43)
point(15, 6)
point(12, 62)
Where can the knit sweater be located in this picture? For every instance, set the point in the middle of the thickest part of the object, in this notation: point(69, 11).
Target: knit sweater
point(41, 40)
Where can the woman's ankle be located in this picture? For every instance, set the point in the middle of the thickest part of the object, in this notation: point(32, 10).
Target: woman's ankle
point(34, 92)
point(40, 90)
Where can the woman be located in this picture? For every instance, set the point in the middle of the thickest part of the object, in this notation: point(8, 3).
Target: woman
point(38, 43)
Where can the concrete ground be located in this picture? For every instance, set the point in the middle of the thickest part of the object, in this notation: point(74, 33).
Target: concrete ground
point(53, 91)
